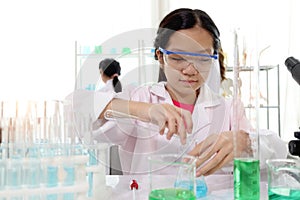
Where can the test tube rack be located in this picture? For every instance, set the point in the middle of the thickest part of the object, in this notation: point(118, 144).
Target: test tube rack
point(63, 177)
point(43, 154)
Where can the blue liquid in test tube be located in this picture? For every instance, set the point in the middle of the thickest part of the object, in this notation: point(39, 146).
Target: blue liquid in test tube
point(52, 180)
point(69, 180)
point(32, 168)
point(201, 187)
point(2, 168)
point(2, 176)
point(14, 175)
point(92, 161)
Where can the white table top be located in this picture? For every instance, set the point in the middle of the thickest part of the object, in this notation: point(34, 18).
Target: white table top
point(219, 187)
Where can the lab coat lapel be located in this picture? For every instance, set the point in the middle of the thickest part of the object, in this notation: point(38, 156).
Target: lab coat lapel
point(200, 118)
point(159, 90)
point(206, 100)
point(205, 104)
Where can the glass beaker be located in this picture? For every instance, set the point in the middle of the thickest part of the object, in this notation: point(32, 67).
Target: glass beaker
point(283, 179)
point(172, 176)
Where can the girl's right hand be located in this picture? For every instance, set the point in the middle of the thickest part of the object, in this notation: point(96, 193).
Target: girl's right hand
point(176, 120)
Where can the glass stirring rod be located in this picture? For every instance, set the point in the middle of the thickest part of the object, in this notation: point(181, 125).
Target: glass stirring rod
point(114, 115)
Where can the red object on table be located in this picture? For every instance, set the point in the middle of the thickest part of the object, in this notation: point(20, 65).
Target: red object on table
point(134, 184)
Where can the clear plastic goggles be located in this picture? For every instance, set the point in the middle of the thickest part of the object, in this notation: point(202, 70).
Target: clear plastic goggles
point(180, 60)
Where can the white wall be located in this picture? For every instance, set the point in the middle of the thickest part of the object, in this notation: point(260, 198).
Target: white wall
point(37, 39)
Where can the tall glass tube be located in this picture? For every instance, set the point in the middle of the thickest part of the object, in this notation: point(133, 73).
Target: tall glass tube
point(246, 159)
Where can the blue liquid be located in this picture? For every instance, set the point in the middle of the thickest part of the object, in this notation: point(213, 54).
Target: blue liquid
point(2, 175)
point(201, 187)
point(33, 152)
point(92, 161)
point(52, 176)
point(32, 174)
point(92, 158)
point(14, 174)
point(14, 177)
point(69, 180)
point(69, 196)
point(90, 180)
point(78, 150)
point(52, 181)
point(70, 175)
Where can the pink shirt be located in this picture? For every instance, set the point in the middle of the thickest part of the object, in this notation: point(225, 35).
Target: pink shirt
point(189, 107)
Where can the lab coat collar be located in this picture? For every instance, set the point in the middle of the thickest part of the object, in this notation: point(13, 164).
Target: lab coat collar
point(159, 90)
point(206, 97)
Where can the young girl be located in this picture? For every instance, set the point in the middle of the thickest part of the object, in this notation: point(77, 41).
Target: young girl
point(173, 116)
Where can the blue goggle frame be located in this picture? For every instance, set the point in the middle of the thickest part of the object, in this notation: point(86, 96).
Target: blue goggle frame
point(167, 52)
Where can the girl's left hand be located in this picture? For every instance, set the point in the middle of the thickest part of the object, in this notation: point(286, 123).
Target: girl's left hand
point(217, 150)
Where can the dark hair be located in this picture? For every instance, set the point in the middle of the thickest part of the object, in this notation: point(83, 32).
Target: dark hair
point(185, 18)
point(110, 67)
point(222, 64)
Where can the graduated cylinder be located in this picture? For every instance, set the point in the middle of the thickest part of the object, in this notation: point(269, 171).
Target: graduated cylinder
point(246, 140)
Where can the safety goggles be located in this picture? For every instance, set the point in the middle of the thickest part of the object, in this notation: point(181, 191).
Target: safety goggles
point(181, 60)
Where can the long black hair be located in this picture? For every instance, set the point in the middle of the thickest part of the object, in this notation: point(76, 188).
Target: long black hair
point(111, 68)
point(185, 18)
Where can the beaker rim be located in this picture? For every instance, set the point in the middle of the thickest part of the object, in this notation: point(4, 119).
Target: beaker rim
point(173, 158)
point(282, 160)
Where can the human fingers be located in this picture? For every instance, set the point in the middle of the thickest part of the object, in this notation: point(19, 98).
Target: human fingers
point(181, 131)
point(162, 126)
point(176, 123)
point(176, 120)
point(158, 114)
point(176, 126)
point(225, 160)
point(202, 149)
point(187, 119)
point(216, 161)
point(172, 127)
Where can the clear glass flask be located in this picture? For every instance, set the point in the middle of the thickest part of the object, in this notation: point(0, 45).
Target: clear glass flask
point(172, 176)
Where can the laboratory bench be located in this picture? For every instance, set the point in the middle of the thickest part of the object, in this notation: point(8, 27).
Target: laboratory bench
point(220, 186)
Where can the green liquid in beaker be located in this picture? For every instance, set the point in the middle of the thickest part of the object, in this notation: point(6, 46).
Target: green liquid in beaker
point(284, 194)
point(246, 179)
point(172, 194)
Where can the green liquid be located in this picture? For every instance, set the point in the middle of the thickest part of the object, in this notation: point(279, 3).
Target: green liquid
point(283, 194)
point(172, 194)
point(246, 179)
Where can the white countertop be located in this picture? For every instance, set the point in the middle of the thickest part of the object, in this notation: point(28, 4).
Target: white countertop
point(219, 187)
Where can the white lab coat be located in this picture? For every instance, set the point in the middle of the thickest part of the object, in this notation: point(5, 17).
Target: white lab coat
point(137, 140)
point(108, 87)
